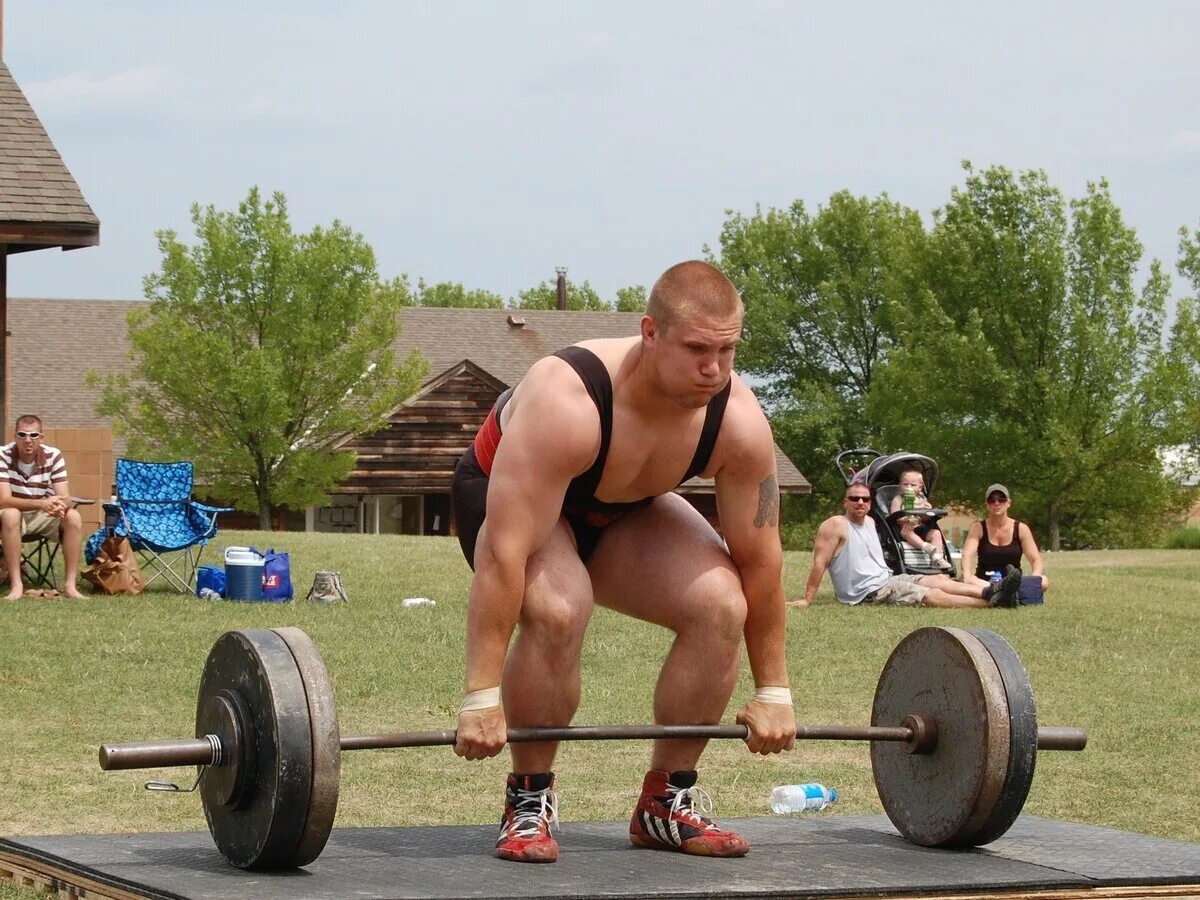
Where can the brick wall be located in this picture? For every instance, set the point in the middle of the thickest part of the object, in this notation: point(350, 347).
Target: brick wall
point(89, 457)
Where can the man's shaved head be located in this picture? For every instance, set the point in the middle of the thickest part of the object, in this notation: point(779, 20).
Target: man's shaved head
point(692, 289)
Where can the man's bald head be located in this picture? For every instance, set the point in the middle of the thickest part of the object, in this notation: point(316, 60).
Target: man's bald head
point(690, 290)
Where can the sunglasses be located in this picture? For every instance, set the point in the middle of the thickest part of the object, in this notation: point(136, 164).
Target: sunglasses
point(996, 498)
point(866, 499)
point(33, 435)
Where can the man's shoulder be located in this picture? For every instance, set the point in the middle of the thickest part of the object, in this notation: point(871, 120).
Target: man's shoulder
point(835, 525)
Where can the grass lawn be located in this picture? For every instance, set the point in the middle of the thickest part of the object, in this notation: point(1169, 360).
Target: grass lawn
point(1114, 650)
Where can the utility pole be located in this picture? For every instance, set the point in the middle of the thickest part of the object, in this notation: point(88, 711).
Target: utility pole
point(562, 286)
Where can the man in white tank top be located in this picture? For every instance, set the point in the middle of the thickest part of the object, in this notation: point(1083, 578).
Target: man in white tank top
point(848, 546)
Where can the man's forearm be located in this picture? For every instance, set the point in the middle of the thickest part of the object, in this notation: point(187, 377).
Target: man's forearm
point(814, 580)
point(493, 610)
point(765, 631)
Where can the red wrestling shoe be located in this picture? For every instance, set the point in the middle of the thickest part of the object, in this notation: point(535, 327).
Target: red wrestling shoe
point(666, 818)
point(530, 812)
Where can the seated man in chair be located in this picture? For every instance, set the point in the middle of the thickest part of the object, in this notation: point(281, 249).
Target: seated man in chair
point(35, 502)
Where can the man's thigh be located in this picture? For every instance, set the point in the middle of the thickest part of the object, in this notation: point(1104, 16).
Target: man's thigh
point(554, 575)
point(36, 523)
point(653, 563)
point(899, 590)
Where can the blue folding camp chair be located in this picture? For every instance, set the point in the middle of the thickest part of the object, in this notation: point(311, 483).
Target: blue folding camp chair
point(155, 510)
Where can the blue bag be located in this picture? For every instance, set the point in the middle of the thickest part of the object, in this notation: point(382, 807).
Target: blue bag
point(276, 577)
point(211, 577)
point(1031, 590)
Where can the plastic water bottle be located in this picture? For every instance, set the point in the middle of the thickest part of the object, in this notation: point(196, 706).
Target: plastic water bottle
point(793, 798)
point(995, 577)
point(409, 602)
point(209, 594)
point(910, 499)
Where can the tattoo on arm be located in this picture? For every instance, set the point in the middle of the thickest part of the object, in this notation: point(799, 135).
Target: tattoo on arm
point(768, 503)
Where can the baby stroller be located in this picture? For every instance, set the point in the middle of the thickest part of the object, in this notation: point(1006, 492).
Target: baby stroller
point(882, 475)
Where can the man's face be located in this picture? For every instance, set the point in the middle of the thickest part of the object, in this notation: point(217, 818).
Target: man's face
point(29, 440)
point(694, 358)
point(857, 503)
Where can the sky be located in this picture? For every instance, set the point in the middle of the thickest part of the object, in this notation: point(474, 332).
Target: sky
point(488, 143)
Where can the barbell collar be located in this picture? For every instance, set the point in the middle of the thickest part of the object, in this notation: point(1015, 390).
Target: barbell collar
point(201, 751)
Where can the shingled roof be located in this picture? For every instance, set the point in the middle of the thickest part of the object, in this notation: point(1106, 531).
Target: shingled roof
point(40, 203)
point(49, 380)
point(504, 342)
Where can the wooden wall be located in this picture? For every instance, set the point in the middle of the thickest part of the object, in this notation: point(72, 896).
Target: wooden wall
point(416, 452)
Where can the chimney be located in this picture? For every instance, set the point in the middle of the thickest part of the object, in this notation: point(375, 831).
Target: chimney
point(562, 281)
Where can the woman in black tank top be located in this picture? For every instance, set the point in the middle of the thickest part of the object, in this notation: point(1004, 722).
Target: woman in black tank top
point(999, 541)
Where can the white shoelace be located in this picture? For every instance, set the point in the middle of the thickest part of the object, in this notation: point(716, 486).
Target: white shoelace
point(531, 808)
point(694, 802)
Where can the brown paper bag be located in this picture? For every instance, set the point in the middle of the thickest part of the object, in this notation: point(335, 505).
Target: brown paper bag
point(116, 569)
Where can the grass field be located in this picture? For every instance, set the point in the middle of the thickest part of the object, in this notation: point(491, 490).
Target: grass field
point(1114, 650)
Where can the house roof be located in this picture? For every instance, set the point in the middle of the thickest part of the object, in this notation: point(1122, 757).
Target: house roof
point(54, 344)
point(40, 203)
point(446, 336)
point(48, 375)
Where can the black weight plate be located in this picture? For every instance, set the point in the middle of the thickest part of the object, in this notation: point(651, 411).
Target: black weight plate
point(944, 674)
point(263, 828)
point(326, 745)
point(1022, 759)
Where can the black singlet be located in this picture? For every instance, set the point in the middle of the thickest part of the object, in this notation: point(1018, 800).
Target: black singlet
point(581, 492)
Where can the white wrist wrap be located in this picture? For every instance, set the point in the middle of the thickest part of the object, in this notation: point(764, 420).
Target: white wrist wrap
point(779, 695)
point(488, 698)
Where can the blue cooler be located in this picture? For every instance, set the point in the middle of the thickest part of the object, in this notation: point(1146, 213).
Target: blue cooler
point(243, 574)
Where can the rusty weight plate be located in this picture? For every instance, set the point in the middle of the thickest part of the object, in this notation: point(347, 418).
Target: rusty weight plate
point(257, 809)
point(326, 745)
point(943, 798)
point(1023, 731)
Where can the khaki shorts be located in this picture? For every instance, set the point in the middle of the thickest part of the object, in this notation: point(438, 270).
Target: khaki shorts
point(898, 590)
point(36, 523)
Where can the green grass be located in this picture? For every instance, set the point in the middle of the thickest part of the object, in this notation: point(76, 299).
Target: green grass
point(1114, 650)
point(1187, 538)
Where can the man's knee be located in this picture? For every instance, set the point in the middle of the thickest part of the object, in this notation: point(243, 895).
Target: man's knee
point(722, 601)
point(10, 517)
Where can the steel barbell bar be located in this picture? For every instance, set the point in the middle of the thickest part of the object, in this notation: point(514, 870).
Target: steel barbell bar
point(207, 750)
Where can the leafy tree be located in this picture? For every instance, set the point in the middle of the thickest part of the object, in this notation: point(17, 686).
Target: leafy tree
point(258, 348)
point(819, 293)
point(632, 298)
point(448, 293)
point(1033, 359)
point(545, 296)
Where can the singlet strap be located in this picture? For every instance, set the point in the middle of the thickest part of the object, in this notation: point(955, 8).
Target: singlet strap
point(595, 378)
point(708, 435)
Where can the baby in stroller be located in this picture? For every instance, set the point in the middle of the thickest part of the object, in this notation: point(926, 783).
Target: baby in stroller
point(912, 540)
point(918, 531)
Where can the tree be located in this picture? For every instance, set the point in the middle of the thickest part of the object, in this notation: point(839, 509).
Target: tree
point(632, 298)
point(259, 347)
point(819, 293)
point(1033, 359)
point(545, 296)
point(448, 293)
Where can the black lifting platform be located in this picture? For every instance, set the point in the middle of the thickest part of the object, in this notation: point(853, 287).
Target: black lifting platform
point(820, 856)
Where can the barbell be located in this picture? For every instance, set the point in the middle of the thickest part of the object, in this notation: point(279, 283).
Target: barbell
point(954, 739)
